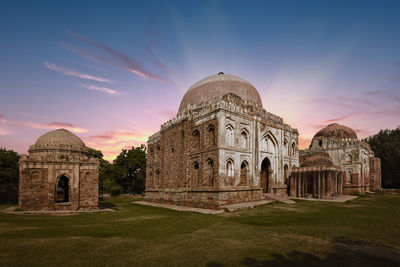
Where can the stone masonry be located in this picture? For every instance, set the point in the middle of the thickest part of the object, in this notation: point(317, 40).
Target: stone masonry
point(58, 174)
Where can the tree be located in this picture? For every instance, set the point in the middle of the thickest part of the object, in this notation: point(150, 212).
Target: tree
point(95, 153)
point(130, 169)
point(107, 175)
point(9, 174)
point(386, 145)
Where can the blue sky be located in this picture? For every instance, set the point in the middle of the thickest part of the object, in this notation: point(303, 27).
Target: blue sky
point(114, 71)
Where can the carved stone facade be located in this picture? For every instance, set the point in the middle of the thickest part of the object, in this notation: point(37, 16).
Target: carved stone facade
point(221, 148)
point(316, 177)
point(355, 158)
point(58, 174)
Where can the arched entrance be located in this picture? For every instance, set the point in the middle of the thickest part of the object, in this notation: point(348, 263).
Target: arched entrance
point(265, 175)
point(62, 189)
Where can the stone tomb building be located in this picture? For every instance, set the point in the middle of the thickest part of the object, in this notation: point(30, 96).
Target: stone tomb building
point(316, 177)
point(354, 157)
point(222, 147)
point(58, 174)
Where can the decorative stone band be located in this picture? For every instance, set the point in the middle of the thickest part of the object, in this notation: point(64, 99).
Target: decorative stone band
point(313, 169)
point(46, 147)
point(229, 102)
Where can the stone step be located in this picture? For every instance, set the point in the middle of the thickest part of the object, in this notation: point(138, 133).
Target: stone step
point(278, 198)
point(245, 205)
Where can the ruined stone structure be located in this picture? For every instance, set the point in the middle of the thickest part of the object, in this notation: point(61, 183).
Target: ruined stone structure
point(222, 147)
point(316, 177)
point(354, 157)
point(58, 174)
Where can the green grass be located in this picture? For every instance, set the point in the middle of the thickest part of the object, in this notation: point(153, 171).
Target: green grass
point(361, 232)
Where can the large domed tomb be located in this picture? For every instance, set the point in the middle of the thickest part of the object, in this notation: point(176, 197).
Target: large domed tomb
point(223, 147)
point(58, 174)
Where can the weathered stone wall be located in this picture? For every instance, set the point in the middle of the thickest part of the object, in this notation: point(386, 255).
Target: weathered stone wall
point(38, 183)
point(208, 153)
point(375, 173)
point(204, 198)
point(88, 188)
point(352, 156)
point(33, 189)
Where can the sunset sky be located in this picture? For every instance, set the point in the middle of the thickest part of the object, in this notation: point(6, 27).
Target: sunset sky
point(113, 71)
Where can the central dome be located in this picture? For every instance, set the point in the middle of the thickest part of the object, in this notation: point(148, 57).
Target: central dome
point(336, 130)
point(216, 86)
point(59, 136)
point(58, 139)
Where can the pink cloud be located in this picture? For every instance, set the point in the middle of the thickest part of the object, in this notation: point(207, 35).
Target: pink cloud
point(111, 143)
point(2, 118)
point(4, 132)
point(100, 89)
point(76, 73)
point(36, 125)
point(317, 126)
point(337, 119)
point(52, 125)
point(114, 58)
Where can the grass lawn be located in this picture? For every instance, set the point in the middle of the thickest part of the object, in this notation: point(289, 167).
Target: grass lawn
point(365, 231)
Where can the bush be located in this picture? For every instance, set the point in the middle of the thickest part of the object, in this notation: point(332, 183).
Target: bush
point(116, 190)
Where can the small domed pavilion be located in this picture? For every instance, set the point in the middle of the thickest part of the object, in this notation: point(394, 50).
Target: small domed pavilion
point(316, 177)
point(58, 174)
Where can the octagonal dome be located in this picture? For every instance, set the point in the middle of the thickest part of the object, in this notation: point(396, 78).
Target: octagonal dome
point(336, 130)
point(59, 139)
point(216, 86)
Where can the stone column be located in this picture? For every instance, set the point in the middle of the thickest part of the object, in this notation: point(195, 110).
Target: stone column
point(314, 184)
point(293, 186)
point(329, 185)
point(302, 186)
point(323, 191)
point(319, 184)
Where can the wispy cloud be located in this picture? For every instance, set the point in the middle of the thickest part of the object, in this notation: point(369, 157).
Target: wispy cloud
point(337, 119)
point(316, 126)
point(2, 118)
point(76, 73)
point(37, 125)
point(112, 57)
point(4, 131)
point(50, 126)
point(99, 88)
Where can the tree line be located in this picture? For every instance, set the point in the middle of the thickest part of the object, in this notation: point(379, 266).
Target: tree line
point(127, 173)
point(386, 145)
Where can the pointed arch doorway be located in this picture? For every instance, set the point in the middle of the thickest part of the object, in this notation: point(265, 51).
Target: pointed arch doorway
point(62, 189)
point(265, 175)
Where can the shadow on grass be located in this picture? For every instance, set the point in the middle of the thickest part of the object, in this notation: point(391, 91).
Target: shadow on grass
point(106, 205)
point(345, 252)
